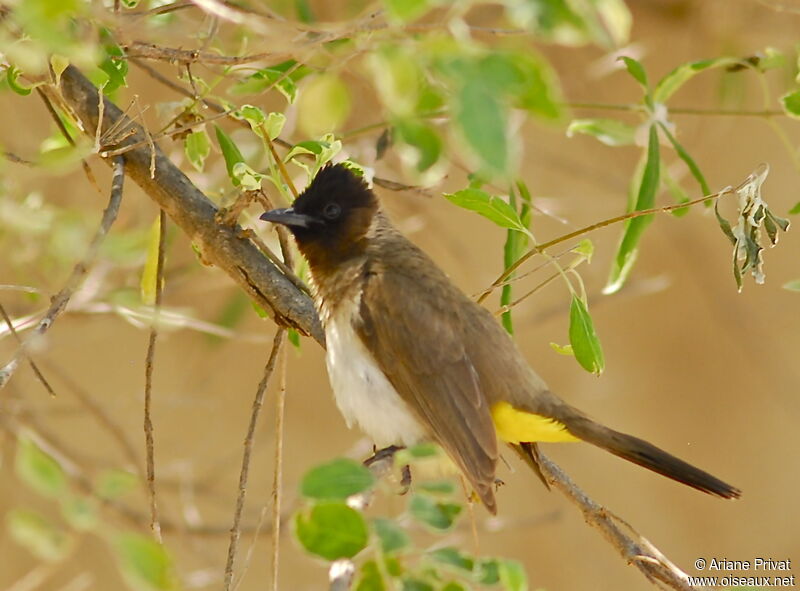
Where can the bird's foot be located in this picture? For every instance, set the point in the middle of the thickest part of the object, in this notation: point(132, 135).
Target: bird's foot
point(386, 453)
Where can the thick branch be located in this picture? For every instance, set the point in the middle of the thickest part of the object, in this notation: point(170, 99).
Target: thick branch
point(195, 214)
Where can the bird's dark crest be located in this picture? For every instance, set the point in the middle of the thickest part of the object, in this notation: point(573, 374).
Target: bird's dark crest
point(339, 207)
point(338, 184)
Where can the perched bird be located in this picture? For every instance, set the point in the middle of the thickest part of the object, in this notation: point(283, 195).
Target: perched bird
point(411, 358)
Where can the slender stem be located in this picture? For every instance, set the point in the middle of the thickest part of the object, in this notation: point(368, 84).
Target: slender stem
point(258, 403)
point(155, 525)
point(277, 483)
point(678, 110)
point(540, 248)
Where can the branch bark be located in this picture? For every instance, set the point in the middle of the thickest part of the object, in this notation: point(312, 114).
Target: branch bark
point(194, 213)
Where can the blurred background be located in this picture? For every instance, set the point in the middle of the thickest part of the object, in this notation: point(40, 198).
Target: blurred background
point(691, 365)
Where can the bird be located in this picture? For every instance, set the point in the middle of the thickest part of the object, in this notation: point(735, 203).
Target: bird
point(411, 358)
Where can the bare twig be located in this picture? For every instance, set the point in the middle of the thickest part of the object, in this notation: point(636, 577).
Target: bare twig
point(632, 546)
point(149, 51)
point(195, 215)
point(155, 526)
point(62, 128)
point(277, 481)
point(679, 110)
point(258, 402)
point(26, 354)
point(59, 302)
point(17, 159)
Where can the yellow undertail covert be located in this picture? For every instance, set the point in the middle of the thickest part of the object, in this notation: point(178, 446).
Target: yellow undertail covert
point(516, 426)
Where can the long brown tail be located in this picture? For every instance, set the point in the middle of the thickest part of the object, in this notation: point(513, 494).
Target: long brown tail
point(649, 456)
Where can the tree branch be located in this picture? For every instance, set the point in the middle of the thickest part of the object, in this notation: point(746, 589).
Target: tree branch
point(194, 213)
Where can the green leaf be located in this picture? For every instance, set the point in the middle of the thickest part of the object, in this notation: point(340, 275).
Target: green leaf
point(438, 515)
point(645, 199)
point(197, 147)
point(793, 285)
point(481, 117)
point(611, 132)
point(796, 209)
point(114, 64)
point(80, 513)
point(454, 586)
point(283, 77)
point(684, 155)
point(406, 10)
point(487, 571)
point(636, 70)
point(582, 337)
point(144, 563)
point(336, 480)
point(147, 284)
point(12, 76)
point(263, 125)
point(331, 530)
point(37, 534)
point(323, 106)
point(248, 179)
point(425, 141)
point(453, 557)
point(512, 576)
point(230, 152)
point(113, 484)
point(791, 103)
point(323, 151)
point(489, 206)
point(391, 535)
point(294, 337)
point(370, 578)
point(38, 469)
point(670, 83)
point(526, 78)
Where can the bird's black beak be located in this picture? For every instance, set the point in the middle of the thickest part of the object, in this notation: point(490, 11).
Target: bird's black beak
point(288, 217)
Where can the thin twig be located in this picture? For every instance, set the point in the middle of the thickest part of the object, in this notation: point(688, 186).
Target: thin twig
point(150, 144)
point(632, 546)
point(541, 248)
point(17, 159)
point(190, 56)
point(59, 302)
point(155, 526)
point(277, 482)
point(70, 140)
point(258, 403)
point(24, 352)
point(679, 110)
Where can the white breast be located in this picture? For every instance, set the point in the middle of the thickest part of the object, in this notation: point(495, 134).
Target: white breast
point(363, 394)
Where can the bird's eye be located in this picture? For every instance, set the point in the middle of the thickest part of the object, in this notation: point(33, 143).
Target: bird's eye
point(331, 211)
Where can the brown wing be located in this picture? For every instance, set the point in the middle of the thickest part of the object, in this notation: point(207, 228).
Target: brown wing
point(417, 341)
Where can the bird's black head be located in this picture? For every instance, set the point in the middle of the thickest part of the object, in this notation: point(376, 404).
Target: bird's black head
point(332, 216)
